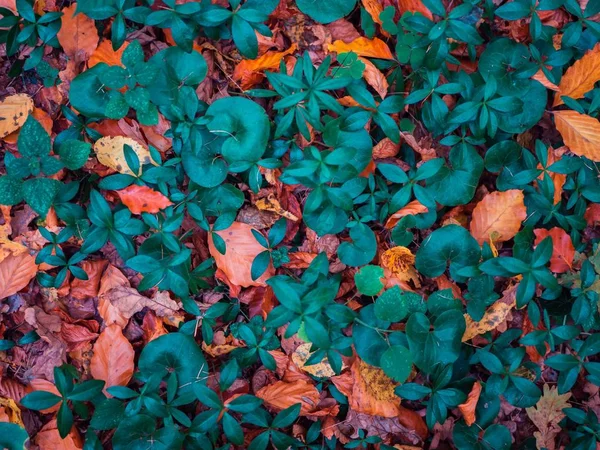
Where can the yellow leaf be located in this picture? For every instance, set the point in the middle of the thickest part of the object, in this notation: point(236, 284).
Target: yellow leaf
point(545, 416)
point(493, 317)
point(322, 369)
point(8, 247)
point(109, 151)
point(370, 48)
point(581, 133)
point(12, 410)
point(272, 204)
point(498, 212)
point(14, 111)
point(580, 77)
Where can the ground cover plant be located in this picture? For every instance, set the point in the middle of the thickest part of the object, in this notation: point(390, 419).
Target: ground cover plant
point(299, 224)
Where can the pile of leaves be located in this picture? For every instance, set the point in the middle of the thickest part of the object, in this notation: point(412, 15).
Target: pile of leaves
point(299, 224)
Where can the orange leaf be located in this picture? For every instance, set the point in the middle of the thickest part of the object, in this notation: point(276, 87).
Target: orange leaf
point(375, 78)
point(370, 48)
point(39, 384)
point(580, 77)
point(113, 358)
point(248, 71)
point(81, 289)
point(141, 199)
point(385, 149)
point(541, 77)
point(414, 207)
point(78, 35)
point(500, 213)
point(241, 249)
point(105, 53)
point(563, 250)
point(414, 6)
point(48, 438)
point(14, 111)
point(281, 395)
point(15, 273)
point(374, 8)
point(468, 407)
point(581, 133)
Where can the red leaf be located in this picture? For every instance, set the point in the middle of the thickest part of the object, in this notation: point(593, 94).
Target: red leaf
point(141, 199)
point(563, 251)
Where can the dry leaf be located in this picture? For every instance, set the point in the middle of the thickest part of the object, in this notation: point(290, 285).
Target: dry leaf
point(81, 289)
point(398, 262)
point(581, 77)
point(414, 6)
point(249, 71)
point(370, 48)
point(321, 370)
point(49, 439)
point(385, 149)
point(558, 179)
point(11, 411)
point(14, 111)
point(281, 395)
point(498, 212)
point(39, 384)
point(105, 53)
point(493, 317)
point(374, 8)
point(78, 35)
point(413, 208)
point(8, 247)
point(113, 358)
point(15, 273)
point(375, 78)
point(241, 249)
point(109, 151)
point(468, 407)
point(541, 77)
point(272, 204)
point(563, 250)
point(128, 301)
point(546, 414)
point(580, 132)
point(141, 199)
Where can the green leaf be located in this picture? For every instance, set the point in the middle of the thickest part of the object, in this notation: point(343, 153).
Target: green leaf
point(286, 417)
point(362, 249)
point(12, 436)
point(326, 12)
point(33, 140)
point(244, 37)
point(451, 243)
point(39, 400)
point(74, 154)
point(368, 280)
point(260, 264)
point(391, 305)
point(396, 362)
point(39, 193)
point(10, 190)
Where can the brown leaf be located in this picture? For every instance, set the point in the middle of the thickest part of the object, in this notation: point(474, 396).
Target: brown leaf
point(498, 213)
point(241, 249)
point(270, 203)
point(493, 317)
point(581, 77)
point(78, 35)
point(375, 78)
point(249, 72)
point(385, 149)
point(413, 208)
point(563, 250)
point(546, 415)
point(281, 395)
point(580, 132)
point(468, 407)
point(39, 384)
point(105, 53)
point(48, 438)
point(414, 6)
point(370, 48)
point(14, 111)
point(141, 199)
point(81, 289)
point(109, 151)
point(15, 273)
point(113, 358)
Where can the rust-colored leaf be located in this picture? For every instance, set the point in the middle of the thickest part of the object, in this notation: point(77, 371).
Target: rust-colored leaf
point(563, 250)
point(500, 213)
point(141, 199)
point(15, 273)
point(48, 438)
point(580, 132)
point(281, 395)
point(78, 35)
point(362, 46)
point(241, 249)
point(249, 72)
point(413, 208)
point(14, 111)
point(541, 77)
point(580, 77)
point(105, 53)
point(375, 78)
point(113, 358)
point(414, 6)
point(468, 407)
point(81, 289)
point(385, 149)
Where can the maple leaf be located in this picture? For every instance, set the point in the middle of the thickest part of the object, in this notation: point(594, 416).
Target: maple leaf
point(580, 132)
point(498, 212)
point(581, 77)
point(546, 414)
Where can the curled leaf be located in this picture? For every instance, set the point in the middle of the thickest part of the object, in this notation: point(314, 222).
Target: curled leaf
point(468, 407)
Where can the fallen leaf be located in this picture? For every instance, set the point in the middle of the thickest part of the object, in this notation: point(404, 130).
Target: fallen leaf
point(105, 53)
point(141, 199)
point(81, 289)
point(374, 8)
point(498, 212)
point(563, 250)
point(413, 208)
point(8, 247)
point(414, 6)
point(249, 72)
point(11, 410)
point(78, 35)
point(221, 345)
point(320, 370)
point(49, 439)
point(468, 407)
point(399, 261)
point(386, 148)
point(546, 414)
point(420, 147)
point(15, 273)
point(580, 132)
point(558, 179)
point(271, 203)
point(494, 316)
point(375, 78)
point(540, 76)
point(241, 249)
point(39, 384)
point(14, 111)
point(113, 356)
point(362, 46)
point(581, 77)
point(281, 395)
point(109, 151)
